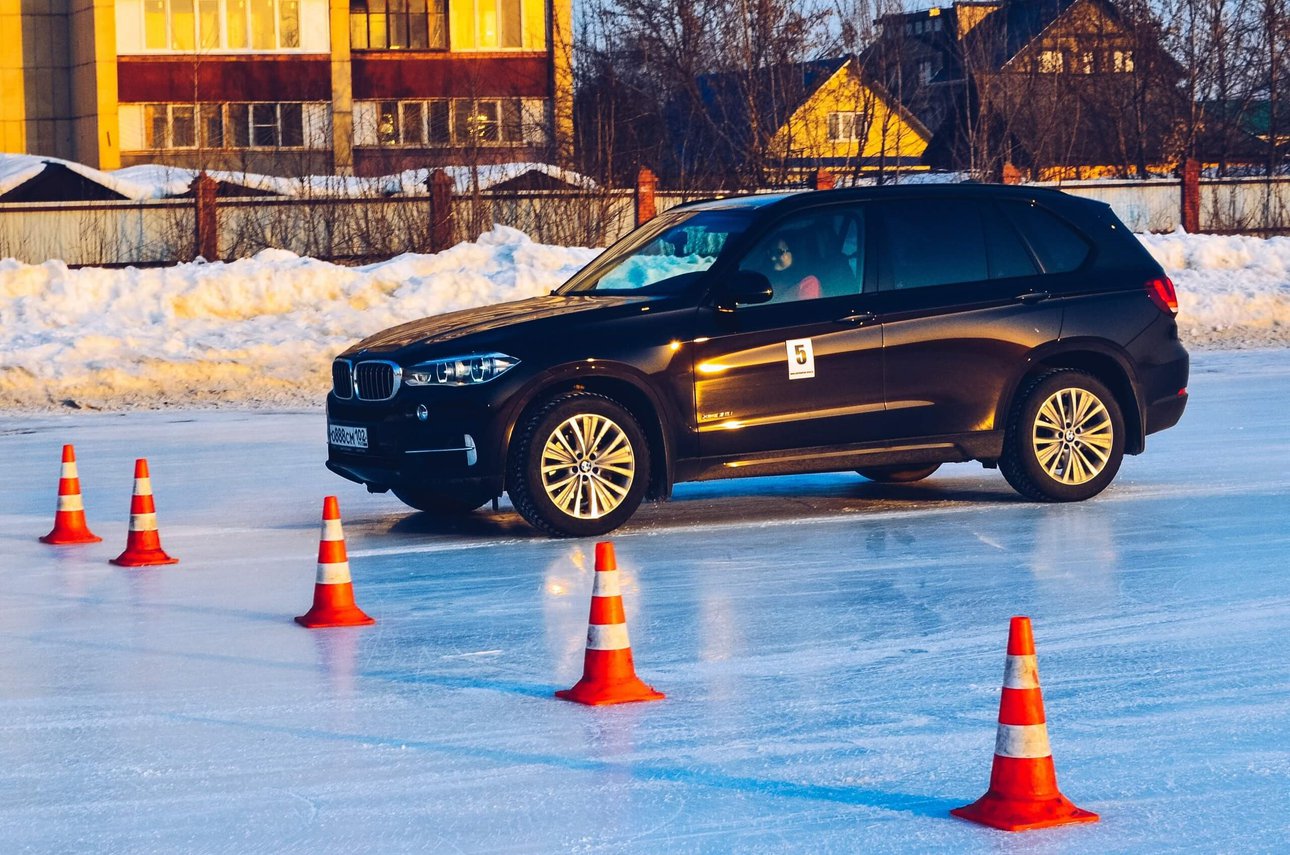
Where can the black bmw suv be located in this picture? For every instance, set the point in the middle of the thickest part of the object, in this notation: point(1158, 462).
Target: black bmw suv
point(884, 330)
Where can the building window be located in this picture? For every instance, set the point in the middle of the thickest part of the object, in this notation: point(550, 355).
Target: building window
point(169, 126)
point(185, 26)
point(495, 24)
point(846, 127)
point(286, 125)
point(927, 70)
point(460, 122)
point(398, 24)
point(1122, 61)
point(1050, 62)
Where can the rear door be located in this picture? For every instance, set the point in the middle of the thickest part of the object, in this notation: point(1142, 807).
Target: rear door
point(804, 370)
point(962, 301)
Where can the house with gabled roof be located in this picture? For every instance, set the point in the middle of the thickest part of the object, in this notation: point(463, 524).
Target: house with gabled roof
point(1055, 87)
point(781, 123)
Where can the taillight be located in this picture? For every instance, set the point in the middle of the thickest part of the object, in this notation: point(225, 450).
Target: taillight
point(1161, 291)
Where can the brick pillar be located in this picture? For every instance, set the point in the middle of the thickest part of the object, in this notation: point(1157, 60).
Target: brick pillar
point(442, 225)
point(1191, 195)
point(646, 184)
point(1010, 174)
point(824, 180)
point(203, 188)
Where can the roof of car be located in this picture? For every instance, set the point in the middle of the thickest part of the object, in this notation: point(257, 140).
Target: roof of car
point(892, 191)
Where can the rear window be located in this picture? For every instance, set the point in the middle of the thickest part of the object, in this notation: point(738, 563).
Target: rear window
point(1059, 248)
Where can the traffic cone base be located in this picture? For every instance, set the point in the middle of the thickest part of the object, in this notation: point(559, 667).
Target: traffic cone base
point(334, 606)
point(608, 674)
point(62, 536)
point(1007, 814)
point(604, 694)
point(69, 519)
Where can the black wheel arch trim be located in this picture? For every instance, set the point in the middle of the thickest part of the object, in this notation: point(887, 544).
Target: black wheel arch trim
point(1102, 359)
point(603, 377)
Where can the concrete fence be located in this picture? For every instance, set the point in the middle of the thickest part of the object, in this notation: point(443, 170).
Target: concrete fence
point(369, 228)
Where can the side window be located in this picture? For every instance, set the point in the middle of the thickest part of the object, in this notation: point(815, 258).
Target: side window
point(1059, 248)
point(933, 242)
point(1008, 255)
point(813, 254)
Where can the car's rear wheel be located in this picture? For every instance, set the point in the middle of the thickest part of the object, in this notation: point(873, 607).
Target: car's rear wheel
point(579, 466)
point(898, 474)
point(440, 501)
point(1065, 438)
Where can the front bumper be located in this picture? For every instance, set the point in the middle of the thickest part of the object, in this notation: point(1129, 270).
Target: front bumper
point(453, 446)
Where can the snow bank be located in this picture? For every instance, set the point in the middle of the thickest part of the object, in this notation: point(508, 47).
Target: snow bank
point(258, 331)
point(262, 331)
point(1233, 290)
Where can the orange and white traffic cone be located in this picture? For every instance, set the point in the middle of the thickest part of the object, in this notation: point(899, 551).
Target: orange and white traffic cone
point(142, 543)
point(608, 674)
point(334, 591)
point(69, 519)
point(1023, 790)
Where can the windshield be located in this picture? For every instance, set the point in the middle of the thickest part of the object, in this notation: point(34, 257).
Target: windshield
point(665, 255)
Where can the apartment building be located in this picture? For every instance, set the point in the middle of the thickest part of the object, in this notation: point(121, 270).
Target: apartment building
point(287, 86)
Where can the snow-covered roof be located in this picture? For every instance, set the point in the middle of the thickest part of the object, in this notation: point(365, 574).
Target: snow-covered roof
point(18, 169)
point(157, 181)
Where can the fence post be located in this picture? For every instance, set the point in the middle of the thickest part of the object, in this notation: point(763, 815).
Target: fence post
point(1010, 174)
point(646, 184)
point(1190, 195)
point(824, 180)
point(442, 226)
point(207, 223)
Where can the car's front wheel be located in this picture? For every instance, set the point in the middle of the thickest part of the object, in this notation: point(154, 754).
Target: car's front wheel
point(579, 466)
point(1065, 438)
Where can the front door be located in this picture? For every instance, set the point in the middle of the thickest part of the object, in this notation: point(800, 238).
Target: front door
point(804, 370)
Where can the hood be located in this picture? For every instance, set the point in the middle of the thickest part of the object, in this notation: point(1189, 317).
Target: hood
point(455, 325)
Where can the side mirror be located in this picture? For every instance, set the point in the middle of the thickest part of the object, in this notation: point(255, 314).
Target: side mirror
point(746, 287)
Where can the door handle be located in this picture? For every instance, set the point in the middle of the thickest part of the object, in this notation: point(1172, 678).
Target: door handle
point(1033, 296)
point(857, 318)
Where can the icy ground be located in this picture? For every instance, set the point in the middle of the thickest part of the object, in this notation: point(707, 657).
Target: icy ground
point(263, 331)
point(832, 651)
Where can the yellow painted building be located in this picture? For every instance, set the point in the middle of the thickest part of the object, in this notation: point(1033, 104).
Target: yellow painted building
point(287, 85)
point(850, 124)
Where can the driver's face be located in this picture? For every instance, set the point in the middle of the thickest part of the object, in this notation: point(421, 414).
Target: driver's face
point(780, 257)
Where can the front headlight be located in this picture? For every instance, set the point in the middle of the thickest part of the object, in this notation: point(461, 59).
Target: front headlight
point(459, 370)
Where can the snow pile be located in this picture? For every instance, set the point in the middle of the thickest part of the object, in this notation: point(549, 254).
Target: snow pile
point(256, 331)
point(1233, 290)
point(263, 330)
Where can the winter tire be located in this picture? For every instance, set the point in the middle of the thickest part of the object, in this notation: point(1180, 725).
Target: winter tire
point(579, 466)
point(1065, 438)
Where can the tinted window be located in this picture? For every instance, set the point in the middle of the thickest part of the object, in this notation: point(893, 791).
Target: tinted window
point(1008, 255)
point(812, 254)
point(1059, 248)
point(933, 242)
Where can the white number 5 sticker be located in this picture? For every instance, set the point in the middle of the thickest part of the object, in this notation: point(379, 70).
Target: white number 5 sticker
point(801, 359)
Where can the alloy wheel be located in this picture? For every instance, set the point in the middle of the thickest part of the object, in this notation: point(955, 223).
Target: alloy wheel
point(1073, 436)
point(588, 466)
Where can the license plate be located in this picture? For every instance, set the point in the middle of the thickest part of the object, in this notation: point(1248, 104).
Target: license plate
point(344, 436)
